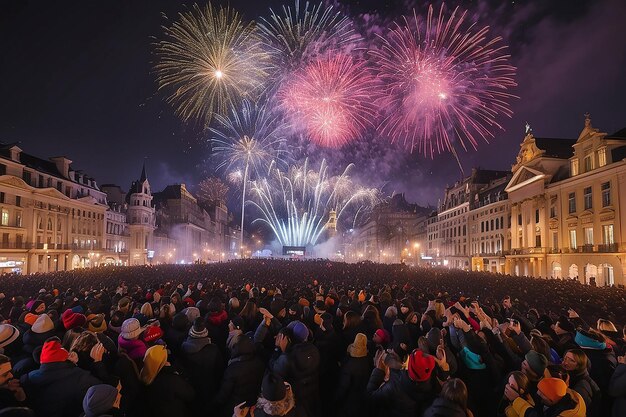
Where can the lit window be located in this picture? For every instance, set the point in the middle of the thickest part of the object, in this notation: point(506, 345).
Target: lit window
point(588, 235)
point(607, 234)
point(5, 217)
point(572, 239)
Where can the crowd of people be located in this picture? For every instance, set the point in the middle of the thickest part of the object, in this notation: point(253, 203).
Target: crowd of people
point(308, 338)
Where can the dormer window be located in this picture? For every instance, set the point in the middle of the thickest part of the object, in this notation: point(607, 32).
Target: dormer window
point(588, 162)
point(573, 167)
point(602, 156)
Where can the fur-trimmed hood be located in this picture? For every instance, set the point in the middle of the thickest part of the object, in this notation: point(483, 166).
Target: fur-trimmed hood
point(280, 407)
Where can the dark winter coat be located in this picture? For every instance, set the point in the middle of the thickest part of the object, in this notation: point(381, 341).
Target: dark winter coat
point(350, 398)
point(57, 389)
point(204, 365)
point(617, 390)
point(168, 395)
point(444, 408)
point(242, 378)
point(603, 363)
point(300, 366)
point(589, 391)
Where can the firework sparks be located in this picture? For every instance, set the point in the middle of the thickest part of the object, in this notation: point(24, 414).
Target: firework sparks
point(332, 100)
point(297, 204)
point(251, 138)
point(208, 61)
point(442, 84)
point(302, 33)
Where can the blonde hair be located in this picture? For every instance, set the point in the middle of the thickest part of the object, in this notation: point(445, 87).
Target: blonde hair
point(147, 310)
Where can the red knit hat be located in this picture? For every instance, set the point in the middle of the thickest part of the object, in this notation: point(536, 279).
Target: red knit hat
point(71, 319)
point(384, 335)
point(52, 351)
point(152, 333)
point(420, 366)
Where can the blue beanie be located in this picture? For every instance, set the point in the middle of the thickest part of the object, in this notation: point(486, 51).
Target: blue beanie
point(472, 360)
point(300, 331)
point(99, 399)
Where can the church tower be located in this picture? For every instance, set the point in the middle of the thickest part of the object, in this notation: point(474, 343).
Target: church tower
point(141, 220)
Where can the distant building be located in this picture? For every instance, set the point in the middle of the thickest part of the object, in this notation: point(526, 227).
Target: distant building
point(392, 234)
point(448, 235)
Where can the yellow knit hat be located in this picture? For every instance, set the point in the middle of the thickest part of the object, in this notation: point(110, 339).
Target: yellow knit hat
point(153, 362)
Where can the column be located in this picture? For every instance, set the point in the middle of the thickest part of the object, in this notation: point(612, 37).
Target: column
point(514, 213)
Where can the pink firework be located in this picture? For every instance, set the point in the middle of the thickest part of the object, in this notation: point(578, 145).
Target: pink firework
point(331, 100)
point(443, 81)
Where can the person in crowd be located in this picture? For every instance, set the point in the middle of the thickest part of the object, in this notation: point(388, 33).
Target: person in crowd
point(516, 387)
point(58, 387)
point(617, 388)
point(129, 341)
point(203, 363)
point(166, 393)
point(353, 377)
point(242, 377)
point(576, 364)
point(11, 392)
point(297, 360)
point(451, 402)
point(556, 401)
point(277, 399)
point(102, 401)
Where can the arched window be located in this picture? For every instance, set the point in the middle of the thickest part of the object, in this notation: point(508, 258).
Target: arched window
point(39, 222)
point(49, 224)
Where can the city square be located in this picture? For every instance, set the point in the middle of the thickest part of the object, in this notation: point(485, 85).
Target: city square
point(289, 208)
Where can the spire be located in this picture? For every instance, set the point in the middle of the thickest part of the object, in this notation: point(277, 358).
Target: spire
point(143, 173)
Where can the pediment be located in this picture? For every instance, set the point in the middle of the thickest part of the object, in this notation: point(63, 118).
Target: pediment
point(524, 176)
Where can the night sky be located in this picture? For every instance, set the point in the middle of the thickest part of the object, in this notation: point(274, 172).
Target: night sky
point(76, 80)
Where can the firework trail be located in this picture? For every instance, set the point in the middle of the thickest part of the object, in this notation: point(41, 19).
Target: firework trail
point(442, 81)
point(208, 61)
point(331, 100)
point(300, 34)
point(297, 204)
point(249, 140)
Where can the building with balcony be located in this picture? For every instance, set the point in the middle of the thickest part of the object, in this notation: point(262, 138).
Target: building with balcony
point(448, 235)
point(52, 216)
point(568, 207)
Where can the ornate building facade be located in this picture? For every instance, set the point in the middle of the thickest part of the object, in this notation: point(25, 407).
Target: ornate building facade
point(559, 213)
point(52, 216)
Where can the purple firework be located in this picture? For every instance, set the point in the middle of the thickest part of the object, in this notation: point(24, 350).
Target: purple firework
point(443, 81)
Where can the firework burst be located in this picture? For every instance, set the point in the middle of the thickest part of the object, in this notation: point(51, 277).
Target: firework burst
point(297, 205)
point(331, 100)
point(301, 33)
point(443, 81)
point(208, 61)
